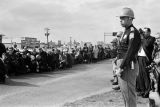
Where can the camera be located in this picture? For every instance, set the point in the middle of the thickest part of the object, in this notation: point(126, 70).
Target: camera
point(141, 31)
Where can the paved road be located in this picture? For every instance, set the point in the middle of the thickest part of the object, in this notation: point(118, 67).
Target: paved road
point(53, 89)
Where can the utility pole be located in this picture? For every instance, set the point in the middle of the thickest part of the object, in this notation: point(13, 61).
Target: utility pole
point(70, 41)
point(47, 34)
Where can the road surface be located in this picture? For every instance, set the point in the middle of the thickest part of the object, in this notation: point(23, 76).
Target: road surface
point(53, 89)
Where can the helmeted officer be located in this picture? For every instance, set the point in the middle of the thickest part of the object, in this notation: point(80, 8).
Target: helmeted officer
point(127, 57)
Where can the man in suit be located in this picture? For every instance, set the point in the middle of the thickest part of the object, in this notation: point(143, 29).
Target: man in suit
point(145, 58)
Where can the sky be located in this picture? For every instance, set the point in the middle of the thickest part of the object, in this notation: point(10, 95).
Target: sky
point(82, 20)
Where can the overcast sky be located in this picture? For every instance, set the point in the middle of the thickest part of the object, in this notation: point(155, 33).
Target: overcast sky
point(83, 20)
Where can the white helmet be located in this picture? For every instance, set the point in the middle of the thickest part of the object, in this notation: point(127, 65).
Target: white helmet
point(127, 12)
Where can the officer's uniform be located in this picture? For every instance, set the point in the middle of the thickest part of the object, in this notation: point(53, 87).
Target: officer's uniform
point(127, 51)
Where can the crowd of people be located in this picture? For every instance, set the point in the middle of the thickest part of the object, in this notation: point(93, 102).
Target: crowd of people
point(17, 62)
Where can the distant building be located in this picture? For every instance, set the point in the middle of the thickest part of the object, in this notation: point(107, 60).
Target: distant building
point(59, 43)
point(12, 45)
point(42, 45)
point(52, 44)
point(30, 42)
point(22, 42)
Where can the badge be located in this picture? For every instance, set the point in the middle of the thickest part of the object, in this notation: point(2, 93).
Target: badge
point(132, 29)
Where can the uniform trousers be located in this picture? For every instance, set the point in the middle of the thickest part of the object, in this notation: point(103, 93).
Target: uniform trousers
point(127, 82)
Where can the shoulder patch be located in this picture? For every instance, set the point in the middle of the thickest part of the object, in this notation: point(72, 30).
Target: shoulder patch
point(131, 36)
point(132, 29)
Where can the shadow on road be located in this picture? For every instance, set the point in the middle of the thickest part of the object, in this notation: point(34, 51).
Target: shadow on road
point(10, 82)
point(55, 73)
point(52, 74)
point(30, 75)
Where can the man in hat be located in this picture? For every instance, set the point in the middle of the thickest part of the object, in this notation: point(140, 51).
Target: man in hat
point(127, 58)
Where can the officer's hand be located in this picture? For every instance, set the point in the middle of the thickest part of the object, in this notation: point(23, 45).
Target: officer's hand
point(119, 71)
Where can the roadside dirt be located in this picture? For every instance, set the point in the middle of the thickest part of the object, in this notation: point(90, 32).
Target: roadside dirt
point(108, 99)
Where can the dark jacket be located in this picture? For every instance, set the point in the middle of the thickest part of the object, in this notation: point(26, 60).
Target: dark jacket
point(148, 46)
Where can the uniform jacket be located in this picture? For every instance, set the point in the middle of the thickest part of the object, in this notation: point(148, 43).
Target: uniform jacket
point(133, 44)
